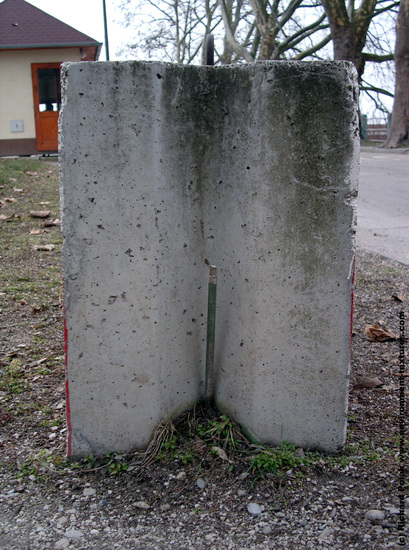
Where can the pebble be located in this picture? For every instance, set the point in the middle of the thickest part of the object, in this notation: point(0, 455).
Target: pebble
point(62, 543)
point(241, 493)
point(375, 515)
point(254, 509)
point(73, 534)
point(61, 520)
point(325, 533)
point(89, 492)
point(267, 530)
point(181, 475)
point(142, 504)
point(200, 483)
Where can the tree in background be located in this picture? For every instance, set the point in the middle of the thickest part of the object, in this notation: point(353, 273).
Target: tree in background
point(250, 30)
point(350, 26)
point(245, 30)
point(399, 131)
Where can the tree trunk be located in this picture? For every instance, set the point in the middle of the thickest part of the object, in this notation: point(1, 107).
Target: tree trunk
point(349, 30)
point(399, 131)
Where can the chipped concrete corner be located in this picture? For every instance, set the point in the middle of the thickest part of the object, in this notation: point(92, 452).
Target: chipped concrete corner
point(253, 168)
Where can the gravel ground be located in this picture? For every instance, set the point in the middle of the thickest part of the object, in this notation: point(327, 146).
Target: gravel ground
point(335, 502)
point(195, 491)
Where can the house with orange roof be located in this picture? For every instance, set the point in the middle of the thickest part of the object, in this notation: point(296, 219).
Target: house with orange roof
point(33, 44)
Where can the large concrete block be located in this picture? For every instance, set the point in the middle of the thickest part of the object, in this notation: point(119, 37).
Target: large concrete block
point(252, 168)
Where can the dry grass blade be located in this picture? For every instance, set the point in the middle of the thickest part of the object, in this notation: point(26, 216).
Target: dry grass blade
point(163, 433)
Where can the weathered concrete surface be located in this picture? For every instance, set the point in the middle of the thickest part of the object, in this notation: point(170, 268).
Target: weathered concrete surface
point(253, 168)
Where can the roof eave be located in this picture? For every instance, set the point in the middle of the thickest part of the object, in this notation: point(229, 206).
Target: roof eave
point(97, 45)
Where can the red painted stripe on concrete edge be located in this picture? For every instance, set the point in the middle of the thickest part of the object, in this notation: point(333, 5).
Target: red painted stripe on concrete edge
point(67, 390)
point(352, 298)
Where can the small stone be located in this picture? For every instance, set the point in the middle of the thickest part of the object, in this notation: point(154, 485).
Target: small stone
point(142, 504)
point(254, 509)
point(241, 493)
point(267, 530)
point(89, 492)
point(61, 520)
point(393, 511)
point(200, 483)
point(74, 534)
point(94, 532)
point(102, 503)
point(32, 477)
point(181, 475)
point(375, 516)
point(325, 533)
point(62, 543)
point(243, 476)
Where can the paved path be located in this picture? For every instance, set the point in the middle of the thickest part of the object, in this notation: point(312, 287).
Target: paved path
point(383, 203)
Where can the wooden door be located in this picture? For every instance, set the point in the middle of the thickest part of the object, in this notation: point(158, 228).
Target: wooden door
point(47, 103)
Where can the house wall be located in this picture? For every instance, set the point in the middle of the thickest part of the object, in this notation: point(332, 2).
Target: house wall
point(16, 94)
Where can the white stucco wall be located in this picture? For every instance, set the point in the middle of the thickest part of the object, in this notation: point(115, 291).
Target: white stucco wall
point(16, 90)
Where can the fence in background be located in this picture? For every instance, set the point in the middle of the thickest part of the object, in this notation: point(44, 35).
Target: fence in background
point(376, 129)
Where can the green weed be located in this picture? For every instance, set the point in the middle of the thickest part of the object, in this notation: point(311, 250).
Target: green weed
point(277, 459)
point(13, 378)
point(41, 464)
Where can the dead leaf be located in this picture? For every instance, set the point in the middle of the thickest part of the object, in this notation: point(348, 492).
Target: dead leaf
point(375, 333)
point(40, 213)
point(44, 202)
point(400, 373)
point(51, 223)
point(222, 454)
point(44, 247)
point(37, 232)
point(10, 199)
point(18, 190)
point(2, 204)
point(368, 383)
point(32, 173)
point(199, 446)
point(38, 362)
point(398, 297)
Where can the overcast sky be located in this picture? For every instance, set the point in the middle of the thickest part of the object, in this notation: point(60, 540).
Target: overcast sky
point(87, 16)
